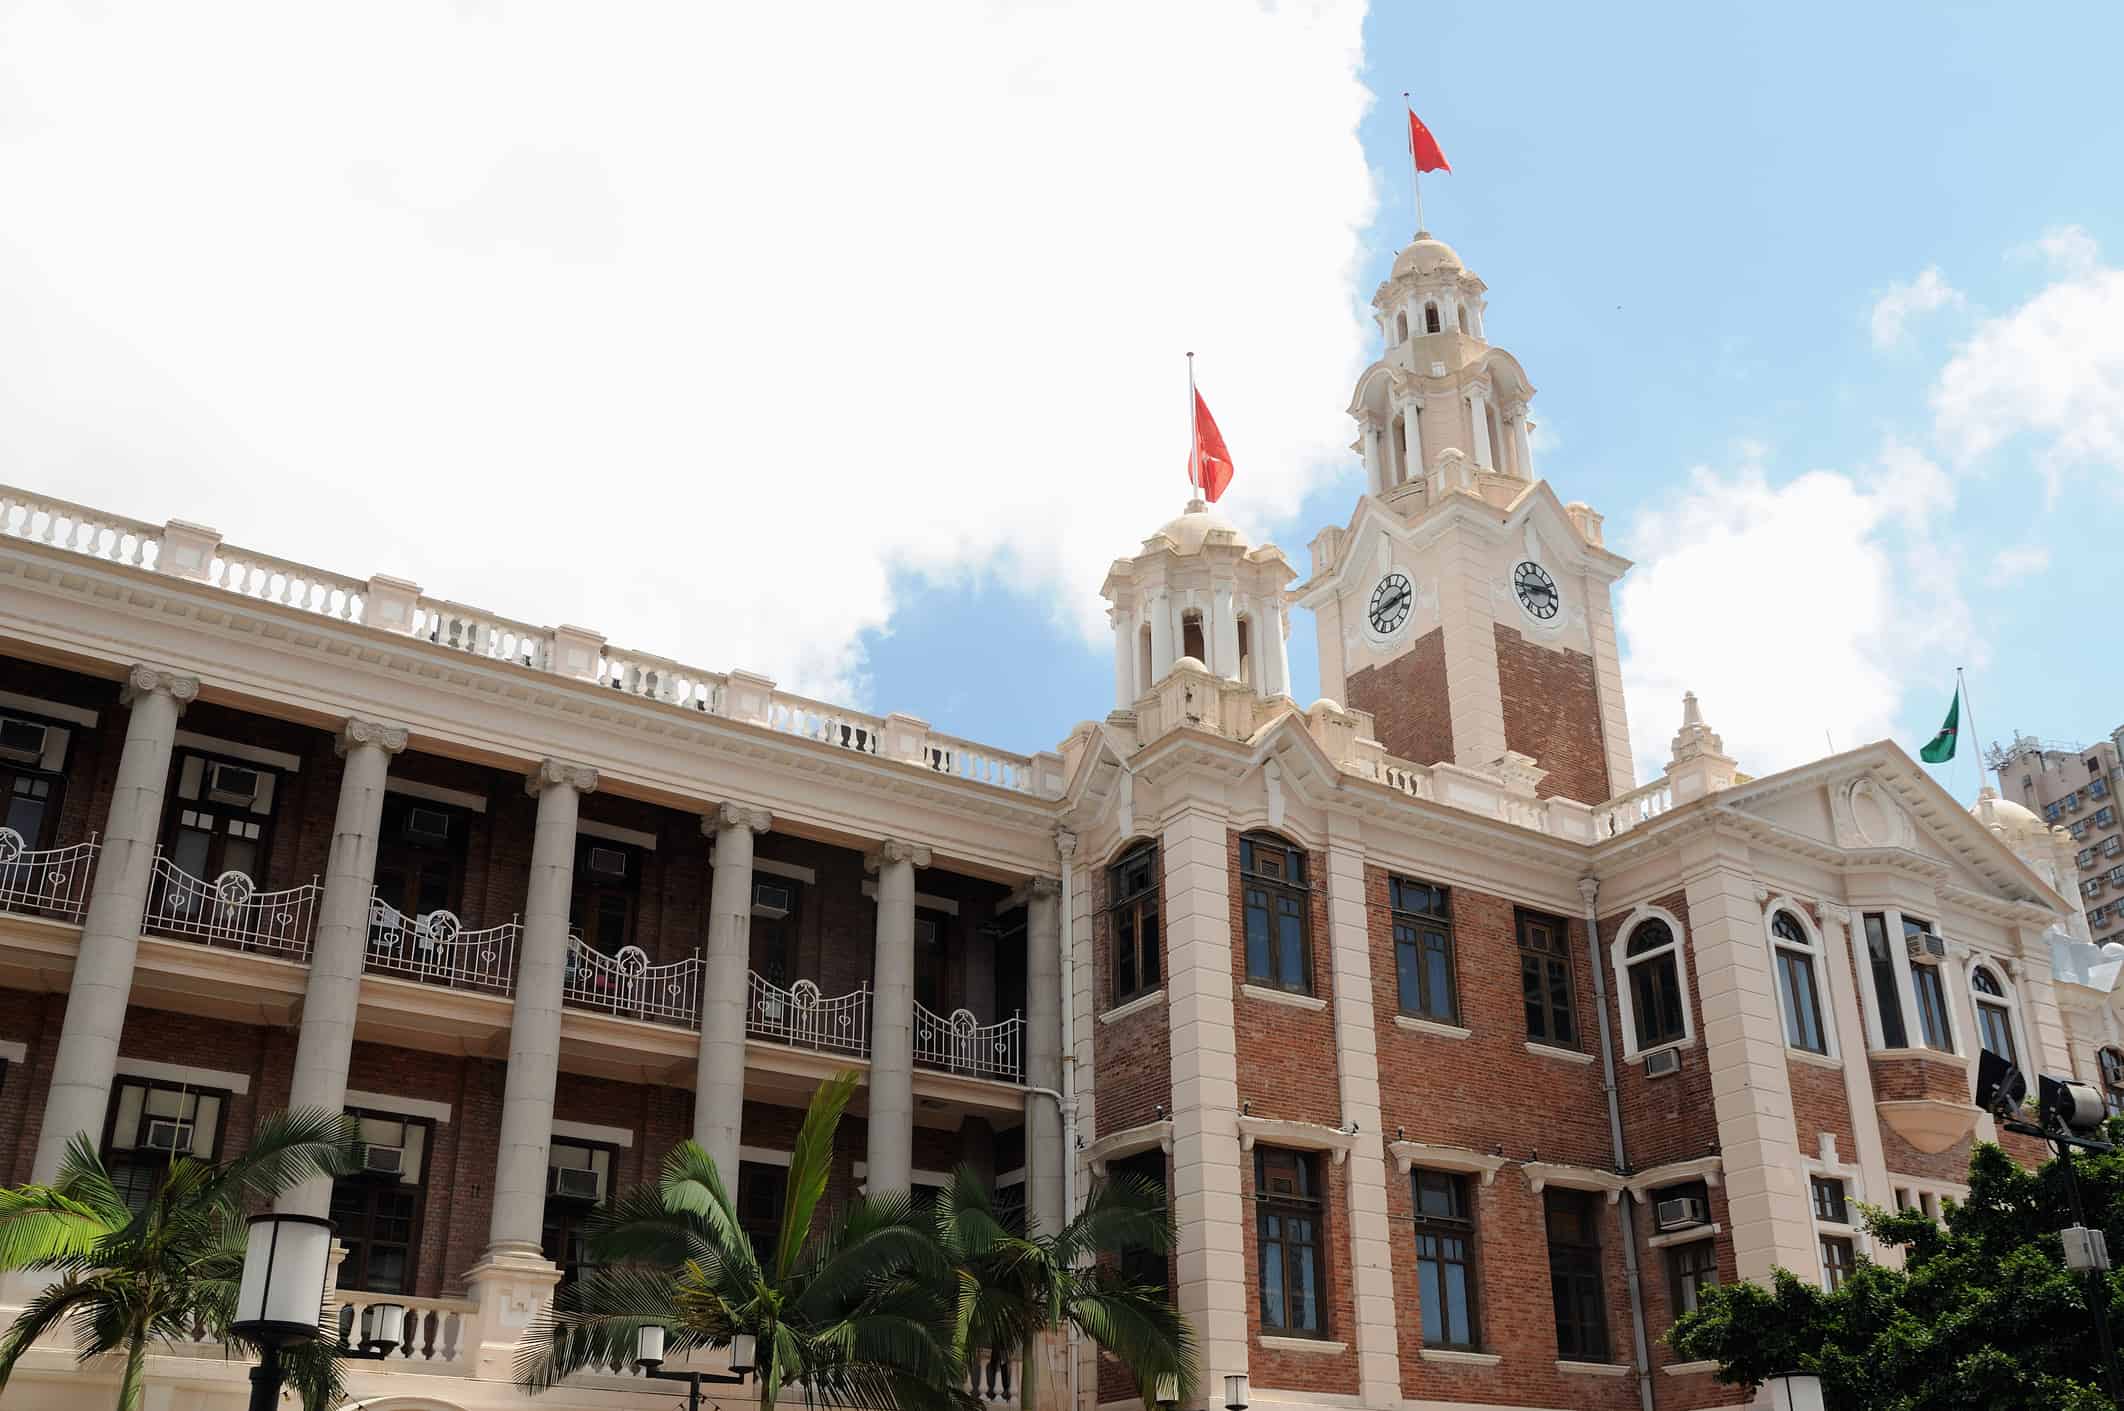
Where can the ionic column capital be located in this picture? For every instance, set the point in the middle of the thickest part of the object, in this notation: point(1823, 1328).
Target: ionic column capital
point(579, 777)
point(1065, 843)
point(1835, 913)
point(1044, 888)
point(357, 731)
point(147, 680)
point(896, 850)
point(733, 815)
point(1589, 889)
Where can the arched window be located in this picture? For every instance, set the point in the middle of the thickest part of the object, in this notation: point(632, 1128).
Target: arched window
point(1278, 908)
point(1401, 328)
point(1246, 650)
point(1395, 470)
point(1132, 922)
point(1655, 986)
point(1797, 992)
point(1191, 644)
point(1994, 1015)
point(1143, 660)
point(1430, 318)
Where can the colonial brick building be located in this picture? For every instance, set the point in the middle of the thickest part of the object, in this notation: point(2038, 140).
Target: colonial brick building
point(1466, 1059)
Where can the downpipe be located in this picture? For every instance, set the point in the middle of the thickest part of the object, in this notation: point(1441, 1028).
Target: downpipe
point(1589, 890)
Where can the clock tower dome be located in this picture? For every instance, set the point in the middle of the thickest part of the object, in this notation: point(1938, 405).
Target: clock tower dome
point(1465, 606)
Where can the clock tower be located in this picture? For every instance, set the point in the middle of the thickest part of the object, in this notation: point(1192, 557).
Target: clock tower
point(1464, 605)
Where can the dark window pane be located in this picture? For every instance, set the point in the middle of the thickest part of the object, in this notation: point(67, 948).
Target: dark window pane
point(1886, 996)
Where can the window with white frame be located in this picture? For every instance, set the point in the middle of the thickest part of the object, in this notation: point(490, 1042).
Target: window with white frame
point(2110, 1062)
point(1929, 991)
point(1834, 1230)
point(1655, 1000)
point(1798, 987)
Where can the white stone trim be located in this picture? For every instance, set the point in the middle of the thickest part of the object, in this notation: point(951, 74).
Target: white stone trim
point(622, 1137)
point(1688, 1236)
point(235, 1083)
point(1432, 1027)
point(1824, 978)
point(938, 1180)
point(1302, 1136)
point(1136, 1005)
point(1688, 1369)
point(1291, 998)
point(613, 833)
point(403, 1106)
point(774, 867)
point(1127, 1142)
point(763, 1156)
point(1708, 1169)
point(13, 1051)
point(1595, 1369)
point(235, 749)
point(1566, 1055)
point(1408, 1155)
point(1620, 962)
point(37, 705)
point(1014, 1176)
point(1679, 1046)
point(436, 793)
point(1318, 1345)
point(923, 900)
point(1813, 1060)
point(1543, 1174)
point(1455, 1355)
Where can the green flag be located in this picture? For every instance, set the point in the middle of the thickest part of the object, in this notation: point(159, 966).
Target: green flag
point(1942, 747)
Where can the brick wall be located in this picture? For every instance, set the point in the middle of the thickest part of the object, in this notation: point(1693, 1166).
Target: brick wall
point(1132, 1055)
point(1818, 1106)
point(1697, 1389)
point(1411, 713)
point(31, 1020)
point(1287, 1054)
point(1552, 712)
point(1669, 1117)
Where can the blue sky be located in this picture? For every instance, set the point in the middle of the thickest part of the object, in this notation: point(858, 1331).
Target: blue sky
point(1686, 216)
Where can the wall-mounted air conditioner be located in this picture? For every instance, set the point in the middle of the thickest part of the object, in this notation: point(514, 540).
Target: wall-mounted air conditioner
point(22, 740)
point(232, 783)
point(1680, 1213)
point(576, 1183)
point(384, 1160)
point(164, 1134)
point(427, 825)
point(1667, 1060)
point(773, 900)
point(607, 862)
point(1925, 946)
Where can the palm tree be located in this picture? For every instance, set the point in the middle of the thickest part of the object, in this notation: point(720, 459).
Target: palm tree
point(854, 1315)
point(1013, 1288)
point(168, 1271)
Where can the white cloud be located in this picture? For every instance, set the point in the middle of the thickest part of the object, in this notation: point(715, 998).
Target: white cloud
point(693, 324)
point(2013, 564)
point(2052, 369)
point(2069, 249)
point(1787, 607)
point(1926, 294)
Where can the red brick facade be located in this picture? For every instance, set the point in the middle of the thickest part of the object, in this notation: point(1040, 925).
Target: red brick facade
point(1552, 712)
point(1412, 716)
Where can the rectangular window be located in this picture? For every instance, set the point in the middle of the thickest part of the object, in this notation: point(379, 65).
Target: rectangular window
point(152, 1124)
point(1278, 943)
point(1143, 1266)
point(1423, 950)
point(1931, 995)
point(1575, 1280)
point(1132, 888)
point(1545, 980)
point(1691, 1268)
point(1289, 1213)
point(1838, 1260)
point(378, 1209)
point(578, 1178)
point(1445, 1259)
point(606, 883)
point(1829, 1205)
point(762, 1188)
point(1803, 1007)
point(1887, 997)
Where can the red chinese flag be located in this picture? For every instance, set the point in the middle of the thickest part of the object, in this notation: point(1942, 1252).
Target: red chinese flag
point(1210, 467)
point(1424, 147)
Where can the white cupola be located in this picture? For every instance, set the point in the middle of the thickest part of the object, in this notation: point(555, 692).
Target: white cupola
point(1197, 594)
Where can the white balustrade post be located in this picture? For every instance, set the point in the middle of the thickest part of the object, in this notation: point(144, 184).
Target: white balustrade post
point(110, 931)
point(1044, 1156)
point(719, 1071)
point(891, 1126)
point(325, 1044)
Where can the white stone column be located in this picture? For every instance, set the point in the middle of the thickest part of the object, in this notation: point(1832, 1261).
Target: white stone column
point(1412, 441)
point(1851, 1045)
point(1276, 652)
point(518, 1217)
point(1207, 1209)
point(1124, 658)
point(1224, 633)
point(1162, 638)
point(891, 1125)
point(1374, 470)
point(719, 1067)
point(1479, 430)
point(1522, 447)
point(1357, 1061)
point(1044, 1156)
point(332, 996)
point(110, 930)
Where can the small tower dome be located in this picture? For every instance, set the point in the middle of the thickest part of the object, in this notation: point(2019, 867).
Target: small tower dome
point(1426, 254)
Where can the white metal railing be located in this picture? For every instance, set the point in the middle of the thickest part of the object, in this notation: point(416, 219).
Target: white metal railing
point(44, 881)
point(816, 720)
point(435, 948)
point(963, 1044)
point(482, 634)
point(229, 911)
point(296, 585)
point(659, 679)
point(1621, 814)
point(435, 1335)
point(627, 984)
point(979, 763)
point(803, 1018)
point(62, 524)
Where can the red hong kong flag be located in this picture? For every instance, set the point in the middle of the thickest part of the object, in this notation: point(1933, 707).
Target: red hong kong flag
point(1209, 468)
point(1424, 147)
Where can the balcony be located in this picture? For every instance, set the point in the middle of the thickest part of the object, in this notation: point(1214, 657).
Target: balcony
point(626, 985)
point(963, 1044)
point(801, 1017)
point(45, 881)
point(436, 949)
point(230, 912)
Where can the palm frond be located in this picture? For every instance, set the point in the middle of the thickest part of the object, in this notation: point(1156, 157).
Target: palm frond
point(810, 1166)
point(1140, 1327)
point(287, 1149)
point(58, 1303)
point(40, 1226)
point(83, 1177)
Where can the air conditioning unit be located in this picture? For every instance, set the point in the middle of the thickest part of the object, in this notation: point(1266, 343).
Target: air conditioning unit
point(1923, 945)
point(384, 1160)
point(1681, 1213)
point(576, 1183)
point(773, 900)
point(230, 783)
point(1667, 1060)
point(22, 741)
point(608, 862)
point(163, 1134)
point(427, 825)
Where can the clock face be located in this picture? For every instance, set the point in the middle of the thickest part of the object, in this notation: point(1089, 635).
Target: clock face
point(1537, 590)
point(1391, 602)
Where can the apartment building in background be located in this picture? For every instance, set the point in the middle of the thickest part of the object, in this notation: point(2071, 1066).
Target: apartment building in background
point(2075, 788)
point(1467, 1058)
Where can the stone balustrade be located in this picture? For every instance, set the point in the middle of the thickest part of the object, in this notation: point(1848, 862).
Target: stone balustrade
point(1626, 811)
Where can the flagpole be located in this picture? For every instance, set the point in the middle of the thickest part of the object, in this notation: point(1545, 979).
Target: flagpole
point(1415, 168)
point(1194, 435)
point(1961, 684)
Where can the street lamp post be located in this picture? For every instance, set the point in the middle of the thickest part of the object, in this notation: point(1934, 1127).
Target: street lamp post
point(280, 1302)
point(649, 1358)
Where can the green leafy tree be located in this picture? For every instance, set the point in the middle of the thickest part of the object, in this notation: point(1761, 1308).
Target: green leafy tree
point(1984, 1313)
point(1013, 1289)
point(854, 1314)
point(126, 1279)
